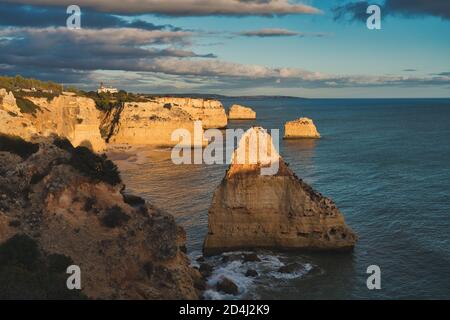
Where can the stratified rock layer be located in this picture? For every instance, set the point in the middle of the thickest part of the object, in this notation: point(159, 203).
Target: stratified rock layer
point(210, 112)
point(12, 121)
point(124, 250)
point(75, 118)
point(147, 123)
point(238, 112)
point(280, 211)
point(301, 128)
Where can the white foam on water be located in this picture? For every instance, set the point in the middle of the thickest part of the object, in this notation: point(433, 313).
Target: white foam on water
point(235, 271)
point(301, 271)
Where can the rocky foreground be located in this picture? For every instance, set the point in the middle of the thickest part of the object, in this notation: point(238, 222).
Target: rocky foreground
point(62, 206)
point(251, 211)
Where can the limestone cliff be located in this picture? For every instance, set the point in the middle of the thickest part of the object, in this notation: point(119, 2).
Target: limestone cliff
point(210, 112)
point(72, 117)
point(12, 121)
point(66, 203)
point(301, 128)
point(280, 211)
point(147, 123)
point(238, 112)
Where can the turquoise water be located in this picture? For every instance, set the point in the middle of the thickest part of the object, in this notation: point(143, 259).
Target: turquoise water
point(386, 164)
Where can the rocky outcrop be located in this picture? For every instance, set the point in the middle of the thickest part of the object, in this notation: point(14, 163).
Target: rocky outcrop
point(72, 117)
point(12, 121)
point(210, 112)
point(301, 128)
point(280, 211)
point(147, 123)
point(238, 112)
point(69, 204)
point(8, 102)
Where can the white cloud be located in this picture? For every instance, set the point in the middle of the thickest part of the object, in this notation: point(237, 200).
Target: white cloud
point(187, 7)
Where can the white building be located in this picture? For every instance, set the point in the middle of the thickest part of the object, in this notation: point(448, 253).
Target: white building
point(104, 89)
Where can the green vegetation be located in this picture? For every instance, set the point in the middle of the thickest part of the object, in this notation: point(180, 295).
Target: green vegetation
point(91, 165)
point(19, 82)
point(96, 167)
point(108, 101)
point(26, 272)
point(114, 217)
point(26, 106)
point(17, 146)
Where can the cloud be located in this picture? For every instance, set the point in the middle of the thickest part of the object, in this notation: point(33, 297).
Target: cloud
point(409, 70)
point(163, 54)
point(356, 10)
point(48, 16)
point(185, 7)
point(270, 33)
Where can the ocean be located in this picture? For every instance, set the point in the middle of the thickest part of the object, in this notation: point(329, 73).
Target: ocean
point(384, 162)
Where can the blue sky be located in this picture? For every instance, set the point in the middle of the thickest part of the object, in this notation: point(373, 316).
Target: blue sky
point(408, 57)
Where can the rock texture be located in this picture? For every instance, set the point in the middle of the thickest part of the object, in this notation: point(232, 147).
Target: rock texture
point(8, 102)
point(251, 211)
point(301, 128)
point(12, 121)
point(125, 251)
point(238, 112)
point(146, 123)
point(210, 112)
point(75, 118)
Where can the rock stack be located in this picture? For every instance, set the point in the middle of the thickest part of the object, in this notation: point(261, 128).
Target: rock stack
point(301, 128)
point(280, 211)
point(238, 112)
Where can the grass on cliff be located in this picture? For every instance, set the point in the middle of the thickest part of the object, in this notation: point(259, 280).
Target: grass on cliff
point(26, 272)
point(26, 106)
point(107, 101)
point(18, 146)
point(91, 165)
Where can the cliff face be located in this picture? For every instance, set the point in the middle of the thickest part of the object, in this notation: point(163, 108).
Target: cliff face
point(210, 112)
point(12, 121)
point(126, 248)
point(75, 118)
point(148, 123)
point(238, 112)
point(301, 128)
point(250, 211)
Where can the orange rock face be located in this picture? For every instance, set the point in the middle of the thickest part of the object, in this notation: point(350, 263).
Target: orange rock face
point(238, 112)
point(301, 128)
point(281, 212)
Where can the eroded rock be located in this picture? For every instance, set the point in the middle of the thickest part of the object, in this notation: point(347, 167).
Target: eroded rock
point(251, 211)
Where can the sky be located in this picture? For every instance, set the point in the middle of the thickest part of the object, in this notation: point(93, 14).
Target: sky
point(314, 49)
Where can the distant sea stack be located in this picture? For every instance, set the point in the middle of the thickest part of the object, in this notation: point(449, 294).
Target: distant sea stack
point(300, 129)
point(281, 212)
point(238, 112)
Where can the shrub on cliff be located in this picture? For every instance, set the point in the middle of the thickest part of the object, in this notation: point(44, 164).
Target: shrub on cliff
point(26, 272)
point(17, 145)
point(91, 165)
point(114, 217)
point(26, 106)
point(96, 167)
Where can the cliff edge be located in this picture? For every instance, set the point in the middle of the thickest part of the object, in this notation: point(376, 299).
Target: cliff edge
point(62, 206)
